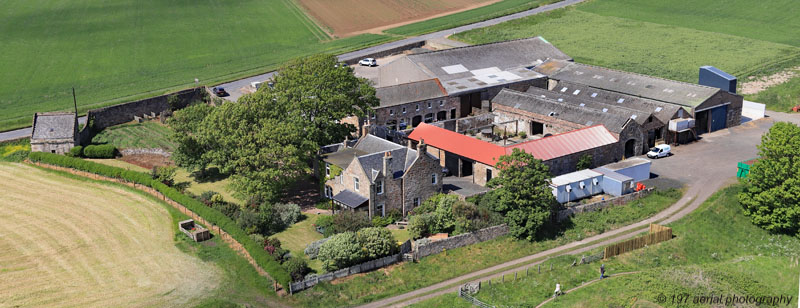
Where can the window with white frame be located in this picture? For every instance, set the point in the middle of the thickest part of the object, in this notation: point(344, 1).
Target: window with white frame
point(355, 183)
point(434, 178)
point(441, 103)
point(404, 109)
point(327, 169)
point(415, 202)
point(391, 112)
point(430, 105)
point(373, 115)
point(417, 107)
point(328, 191)
point(379, 187)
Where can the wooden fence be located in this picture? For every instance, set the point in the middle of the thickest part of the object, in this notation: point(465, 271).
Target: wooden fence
point(657, 235)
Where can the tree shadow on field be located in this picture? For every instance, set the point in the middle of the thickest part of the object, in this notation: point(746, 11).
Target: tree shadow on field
point(210, 175)
point(554, 229)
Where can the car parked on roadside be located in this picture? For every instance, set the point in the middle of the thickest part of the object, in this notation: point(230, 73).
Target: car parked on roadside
point(659, 151)
point(219, 91)
point(368, 62)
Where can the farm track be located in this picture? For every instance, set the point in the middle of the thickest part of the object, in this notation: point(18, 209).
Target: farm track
point(86, 244)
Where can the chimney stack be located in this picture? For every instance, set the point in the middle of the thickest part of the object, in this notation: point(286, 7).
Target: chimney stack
point(387, 162)
point(422, 147)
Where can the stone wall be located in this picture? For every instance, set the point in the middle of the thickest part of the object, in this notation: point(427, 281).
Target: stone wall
point(524, 119)
point(123, 113)
point(591, 207)
point(480, 171)
point(383, 53)
point(460, 240)
point(137, 151)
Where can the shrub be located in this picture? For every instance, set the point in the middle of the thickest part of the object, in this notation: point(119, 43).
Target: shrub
point(75, 151)
point(376, 242)
point(378, 221)
point(213, 216)
point(164, 174)
point(228, 209)
point(420, 225)
point(523, 135)
point(312, 249)
point(349, 221)
point(324, 221)
point(258, 238)
point(585, 162)
point(286, 215)
point(340, 251)
point(206, 196)
point(297, 268)
point(100, 151)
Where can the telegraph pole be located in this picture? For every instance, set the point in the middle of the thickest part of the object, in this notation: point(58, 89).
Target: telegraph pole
point(75, 101)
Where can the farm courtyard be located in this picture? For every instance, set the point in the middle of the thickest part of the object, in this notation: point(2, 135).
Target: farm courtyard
point(51, 254)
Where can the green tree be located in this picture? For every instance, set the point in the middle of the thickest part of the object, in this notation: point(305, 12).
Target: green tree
point(585, 162)
point(522, 193)
point(377, 242)
point(772, 195)
point(185, 124)
point(341, 250)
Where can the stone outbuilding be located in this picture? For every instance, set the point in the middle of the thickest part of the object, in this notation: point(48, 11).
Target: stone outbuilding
point(54, 132)
point(378, 176)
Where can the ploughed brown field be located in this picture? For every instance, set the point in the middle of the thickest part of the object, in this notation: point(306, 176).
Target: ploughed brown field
point(65, 242)
point(351, 17)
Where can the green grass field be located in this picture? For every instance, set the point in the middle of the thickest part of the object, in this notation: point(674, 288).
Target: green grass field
point(643, 47)
point(716, 250)
point(436, 268)
point(298, 236)
point(120, 50)
point(148, 134)
point(780, 97)
point(498, 9)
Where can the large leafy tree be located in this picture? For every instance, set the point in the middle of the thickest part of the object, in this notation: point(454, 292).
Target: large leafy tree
point(267, 138)
point(186, 124)
point(772, 195)
point(522, 193)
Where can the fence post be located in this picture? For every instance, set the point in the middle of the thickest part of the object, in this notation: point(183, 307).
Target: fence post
point(526, 271)
point(539, 268)
point(515, 276)
point(504, 278)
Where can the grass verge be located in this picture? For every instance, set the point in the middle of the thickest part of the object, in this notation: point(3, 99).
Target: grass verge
point(433, 269)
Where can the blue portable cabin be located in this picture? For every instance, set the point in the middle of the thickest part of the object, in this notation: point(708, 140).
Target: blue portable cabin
point(637, 168)
point(614, 183)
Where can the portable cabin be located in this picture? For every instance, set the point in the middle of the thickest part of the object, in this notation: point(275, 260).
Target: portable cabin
point(614, 183)
point(576, 185)
point(637, 168)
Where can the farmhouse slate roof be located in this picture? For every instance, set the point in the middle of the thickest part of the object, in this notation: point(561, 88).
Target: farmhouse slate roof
point(53, 126)
point(401, 160)
point(660, 110)
point(613, 120)
point(350, 198)
point(410, 92)
point(670, 91)
point(370, 144)
point(502, 55)
point(343, 157)
point(638, 116)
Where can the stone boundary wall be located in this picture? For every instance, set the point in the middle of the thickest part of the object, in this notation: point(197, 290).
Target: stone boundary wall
point(355, 269)
point(229, 240)
point(591, 207)
point(153, 151)
point(384, 53)
point(460, 240)
point(123, 113)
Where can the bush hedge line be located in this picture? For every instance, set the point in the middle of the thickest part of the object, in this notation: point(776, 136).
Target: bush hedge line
point(100, 151)
point(262, 258)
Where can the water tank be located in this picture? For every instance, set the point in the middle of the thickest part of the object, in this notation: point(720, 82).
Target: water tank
point(714, 77)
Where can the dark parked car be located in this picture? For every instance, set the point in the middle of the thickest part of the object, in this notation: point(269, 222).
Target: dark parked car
point(219, 91)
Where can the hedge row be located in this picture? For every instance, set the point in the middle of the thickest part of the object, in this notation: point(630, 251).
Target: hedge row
point(100, 151)
point(267, 262)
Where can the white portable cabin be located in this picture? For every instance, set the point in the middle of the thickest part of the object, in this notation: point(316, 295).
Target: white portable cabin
point(637, 168)
point(576, 185)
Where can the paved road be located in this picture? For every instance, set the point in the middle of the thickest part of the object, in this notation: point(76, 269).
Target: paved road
point(26, 132)
point(704, 166)
point(233, 87)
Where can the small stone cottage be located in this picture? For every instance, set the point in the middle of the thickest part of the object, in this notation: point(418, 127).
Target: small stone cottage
point(54, 132)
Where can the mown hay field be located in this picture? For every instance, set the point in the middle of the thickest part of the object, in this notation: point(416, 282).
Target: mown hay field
point(114, 51)
point(65, 242)
point(345, 17)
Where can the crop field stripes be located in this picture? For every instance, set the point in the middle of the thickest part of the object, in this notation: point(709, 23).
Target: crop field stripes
point(313, 25)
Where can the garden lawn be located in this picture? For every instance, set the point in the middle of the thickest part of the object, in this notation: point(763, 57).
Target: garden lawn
point(715, 250)
point(114, 51)
point(148, 134)
point(298, 236)
point(650, 48)
point(409, 276)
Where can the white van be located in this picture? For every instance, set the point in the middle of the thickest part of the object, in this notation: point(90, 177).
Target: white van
point(659, 151)
point(256, 84)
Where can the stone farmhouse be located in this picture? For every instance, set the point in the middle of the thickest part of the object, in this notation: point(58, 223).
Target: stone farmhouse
point(54, 132)
point(465, 156)
point(378, 176)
